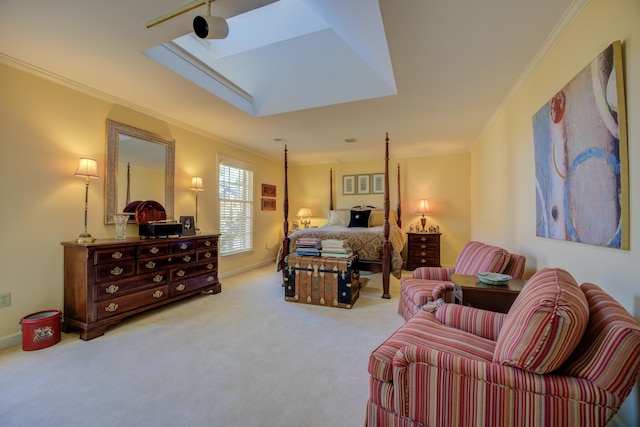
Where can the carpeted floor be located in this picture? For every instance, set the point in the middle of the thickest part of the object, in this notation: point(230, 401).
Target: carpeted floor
point(244, 357)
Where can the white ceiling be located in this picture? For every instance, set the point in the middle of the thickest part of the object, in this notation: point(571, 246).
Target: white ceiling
point(455, 62)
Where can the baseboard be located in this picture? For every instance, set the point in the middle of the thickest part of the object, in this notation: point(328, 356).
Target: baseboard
point(271, 261)
point(10, 340)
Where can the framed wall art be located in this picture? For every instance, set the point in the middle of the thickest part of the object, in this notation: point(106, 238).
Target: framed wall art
point(268, 190)
point(364, 184)
point(581, 157)
point(348, 184)
point(377, 183)
point(268, 204)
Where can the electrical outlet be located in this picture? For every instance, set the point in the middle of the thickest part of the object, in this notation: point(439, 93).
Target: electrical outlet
point(5, 300)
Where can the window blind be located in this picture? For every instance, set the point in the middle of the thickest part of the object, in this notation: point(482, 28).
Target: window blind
point(236, 207)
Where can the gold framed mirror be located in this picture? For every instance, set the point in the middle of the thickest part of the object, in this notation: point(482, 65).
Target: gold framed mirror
point(140, 166)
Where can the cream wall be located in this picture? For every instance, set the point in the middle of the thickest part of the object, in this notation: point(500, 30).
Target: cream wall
point(503, 198)
point(443, 180)
point(44, 129)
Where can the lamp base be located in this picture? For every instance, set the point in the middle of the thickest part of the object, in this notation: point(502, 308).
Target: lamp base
point(85, 238)
point(423, 221)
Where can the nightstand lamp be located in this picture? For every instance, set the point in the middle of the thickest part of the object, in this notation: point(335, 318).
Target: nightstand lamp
point(305, 216)
point(424, 209)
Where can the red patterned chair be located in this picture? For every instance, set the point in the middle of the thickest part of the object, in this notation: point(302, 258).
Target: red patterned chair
point(474, 258)
point(564, 355)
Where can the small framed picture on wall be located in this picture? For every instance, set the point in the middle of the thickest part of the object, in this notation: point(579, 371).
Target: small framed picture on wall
point(364, 184)
point(377, 184)
point(348, 184)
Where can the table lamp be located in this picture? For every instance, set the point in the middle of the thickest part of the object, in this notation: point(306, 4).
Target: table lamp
point(87, 168)
point(305, 216)
point(424, 209)
point(196, 186)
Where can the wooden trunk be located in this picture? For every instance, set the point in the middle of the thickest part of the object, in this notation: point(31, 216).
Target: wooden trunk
point(334, 282)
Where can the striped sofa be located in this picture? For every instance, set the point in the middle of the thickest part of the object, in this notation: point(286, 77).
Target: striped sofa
point(564, 355)
point(474, 258)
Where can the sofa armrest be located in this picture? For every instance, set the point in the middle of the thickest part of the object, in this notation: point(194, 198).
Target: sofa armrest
point(433, 273)
point(436, 388)
point(483, 323)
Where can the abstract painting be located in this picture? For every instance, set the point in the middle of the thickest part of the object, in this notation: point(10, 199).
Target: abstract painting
point(581, 158)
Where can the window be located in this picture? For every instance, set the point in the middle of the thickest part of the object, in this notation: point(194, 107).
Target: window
point(236, 207)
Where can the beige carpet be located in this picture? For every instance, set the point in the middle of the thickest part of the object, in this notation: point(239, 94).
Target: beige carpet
point(244, 357)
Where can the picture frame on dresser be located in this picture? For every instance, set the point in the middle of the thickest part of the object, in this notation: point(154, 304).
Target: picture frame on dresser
point(188, 226)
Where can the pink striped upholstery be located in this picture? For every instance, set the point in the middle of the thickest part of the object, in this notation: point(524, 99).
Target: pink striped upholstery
point(474, 258)
point(428, 374)
point(515, 266)
point(545, 323)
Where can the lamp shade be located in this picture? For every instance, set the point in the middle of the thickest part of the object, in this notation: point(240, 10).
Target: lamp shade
point(423, 207)
point(87, 168)
point(304, 213)
point(196, 184)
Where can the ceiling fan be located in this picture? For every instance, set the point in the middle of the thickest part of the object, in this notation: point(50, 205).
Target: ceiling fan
point(205, 27)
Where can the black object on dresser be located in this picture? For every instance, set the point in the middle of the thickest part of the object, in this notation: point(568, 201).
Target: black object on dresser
point(423, 250)
point(109, 280)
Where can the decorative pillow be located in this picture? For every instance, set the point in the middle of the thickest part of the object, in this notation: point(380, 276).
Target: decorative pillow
point(339, 217)
point(376, 219)
point(359, 219)
point(545, 323)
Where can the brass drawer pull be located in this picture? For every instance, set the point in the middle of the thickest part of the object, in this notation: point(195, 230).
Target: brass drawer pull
point(111, 307)
point(186, 258)
point(210, 266)
point(116, 271)
point(180, 287)
point(208, 254)
point(423, 246)
point(116, 255)
point(158, 278)
point(210, 279)
point(184, 246)
point(154, 250)
point(112, 289)
point(207, 243)
point(424, 239)
point(150, 265)
point(180, 273)
point(158, 294)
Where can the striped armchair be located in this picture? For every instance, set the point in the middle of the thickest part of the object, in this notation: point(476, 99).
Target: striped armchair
point(474, 258)
point(563, 355)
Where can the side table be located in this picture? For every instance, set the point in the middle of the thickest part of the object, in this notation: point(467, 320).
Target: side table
point(423, 250)
point(469, 290)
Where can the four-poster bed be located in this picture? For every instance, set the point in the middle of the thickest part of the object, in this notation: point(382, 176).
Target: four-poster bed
point(379, 246)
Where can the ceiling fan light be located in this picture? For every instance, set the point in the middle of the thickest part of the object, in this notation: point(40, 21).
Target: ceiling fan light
point(210, 27)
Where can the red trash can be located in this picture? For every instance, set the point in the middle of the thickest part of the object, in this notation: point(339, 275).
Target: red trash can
point(41, 329)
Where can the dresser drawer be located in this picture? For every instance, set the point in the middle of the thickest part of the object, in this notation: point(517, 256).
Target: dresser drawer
point(111, 255)
point(153, 250)
point(185, 271)
point(183, 246)
point(207, 243)
point(131, 284)
point(153, 264)
point(206, 255)
point(115, 271)
point(191, 283)
point(114, 306)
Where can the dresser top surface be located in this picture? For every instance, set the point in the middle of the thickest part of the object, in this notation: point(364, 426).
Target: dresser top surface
point(135, 240)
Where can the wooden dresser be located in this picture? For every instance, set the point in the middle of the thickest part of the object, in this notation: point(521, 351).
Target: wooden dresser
point(108, 280)
point(423, 250)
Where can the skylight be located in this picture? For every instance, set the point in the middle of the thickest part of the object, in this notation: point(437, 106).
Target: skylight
point(289, 55)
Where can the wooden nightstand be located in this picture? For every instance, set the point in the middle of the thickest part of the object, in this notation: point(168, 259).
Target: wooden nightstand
point(469, 290)
point(423, 250)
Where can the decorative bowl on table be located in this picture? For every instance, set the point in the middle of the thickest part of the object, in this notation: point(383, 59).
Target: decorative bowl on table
point(493, 278)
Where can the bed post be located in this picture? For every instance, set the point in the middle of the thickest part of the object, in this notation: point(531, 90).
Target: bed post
point(386, 249)
point(330, 189)
point(285, 239)
point(399, 207)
